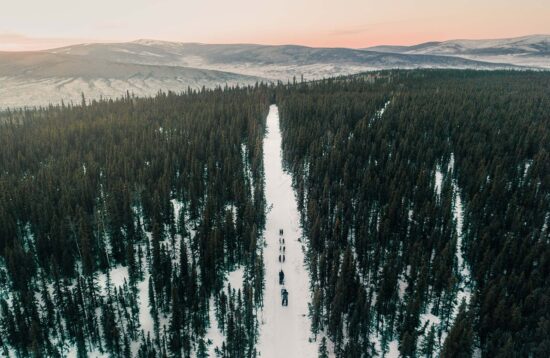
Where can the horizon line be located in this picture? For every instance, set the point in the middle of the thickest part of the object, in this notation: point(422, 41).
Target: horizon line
point(83, 42)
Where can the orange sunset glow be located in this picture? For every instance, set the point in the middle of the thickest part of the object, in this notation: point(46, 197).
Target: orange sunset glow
point(347, 23)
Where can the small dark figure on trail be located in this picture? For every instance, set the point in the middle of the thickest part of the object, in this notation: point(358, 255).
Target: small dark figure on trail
point(280, 231)
point(284, 249)
point(283, 240)
point(279, 258)
point(281, 277)
point(284, 293)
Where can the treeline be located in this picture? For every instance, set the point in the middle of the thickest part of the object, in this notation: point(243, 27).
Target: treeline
point(407, 181)
point(424, 195)
point(169, 189)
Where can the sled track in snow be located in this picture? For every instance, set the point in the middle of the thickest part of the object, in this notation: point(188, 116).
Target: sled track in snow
point(284, 331)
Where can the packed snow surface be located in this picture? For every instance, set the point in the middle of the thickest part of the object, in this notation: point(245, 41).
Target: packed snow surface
point(284, 331)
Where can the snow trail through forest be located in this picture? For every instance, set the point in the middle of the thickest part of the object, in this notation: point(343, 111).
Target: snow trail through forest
point(284, 331)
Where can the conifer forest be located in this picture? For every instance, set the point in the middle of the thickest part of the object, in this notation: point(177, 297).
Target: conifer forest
point(136, 227)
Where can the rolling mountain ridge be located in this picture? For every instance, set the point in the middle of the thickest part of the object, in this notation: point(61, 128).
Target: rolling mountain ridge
point(530, 51)
point(144, 67)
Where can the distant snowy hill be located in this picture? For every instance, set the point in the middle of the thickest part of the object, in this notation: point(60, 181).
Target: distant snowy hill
point(40, 78)
point(531, 51)
point(271, 62)
point(144, 67)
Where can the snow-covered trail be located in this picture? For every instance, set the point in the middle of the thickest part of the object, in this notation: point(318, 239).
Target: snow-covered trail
point(285, 331)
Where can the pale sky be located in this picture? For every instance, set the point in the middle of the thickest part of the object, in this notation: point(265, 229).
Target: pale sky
point(40, 24)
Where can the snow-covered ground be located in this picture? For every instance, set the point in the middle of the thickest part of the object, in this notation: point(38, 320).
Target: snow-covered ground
point(284, 331)
point(214, 334)
point(118, 276)
point(438, 181)
point(464, 289)
point(464, 286)
point(379, 113)
point(22, 92)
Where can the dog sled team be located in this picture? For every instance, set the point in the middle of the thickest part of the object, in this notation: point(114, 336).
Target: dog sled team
point(282, 259)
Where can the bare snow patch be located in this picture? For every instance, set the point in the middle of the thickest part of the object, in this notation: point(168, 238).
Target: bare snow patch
point(118, 276)
point(236, 278)
point(379, 113)
point(438, 181)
